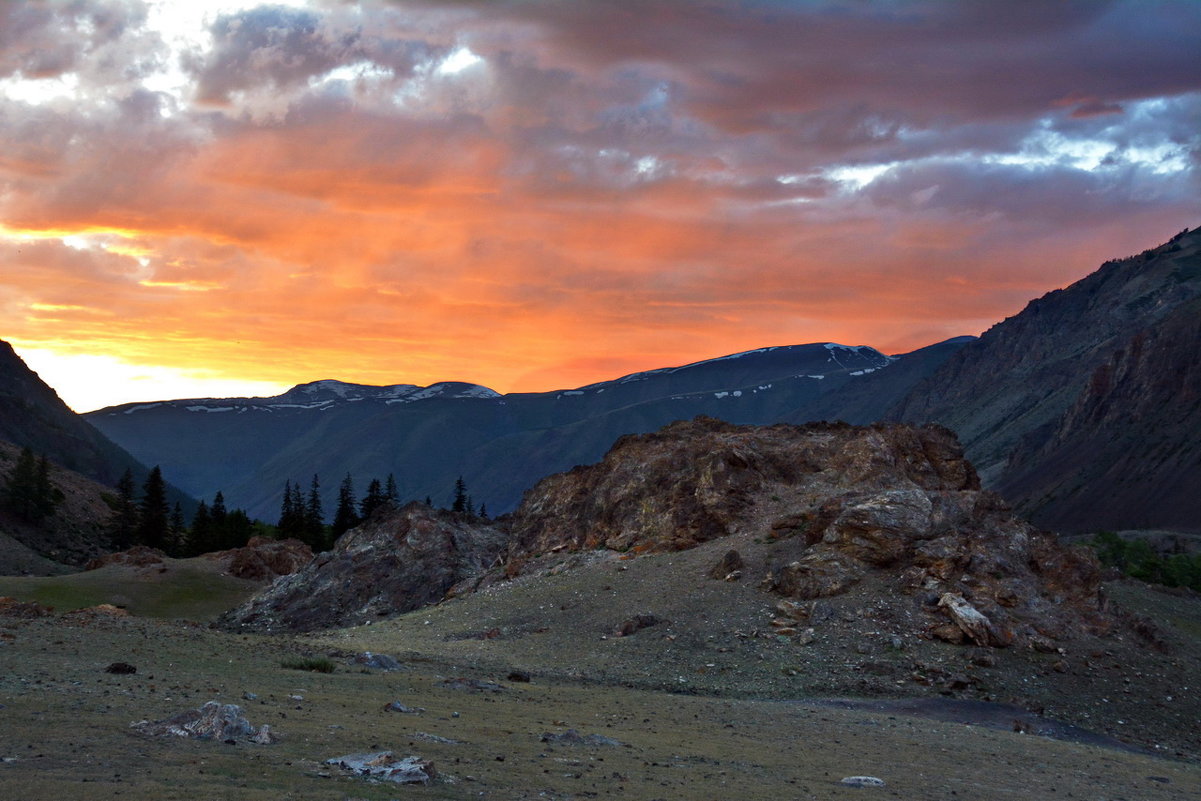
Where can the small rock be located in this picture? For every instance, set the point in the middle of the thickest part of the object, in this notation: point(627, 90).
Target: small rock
point(121, 668)
point(573, 737)
point(636, 623)
point(248, 696)
point(520, 676)
point(384, 766)
point(377, 661)
point(397, 706)
point(730, 563)
point(862, 781)
point(806, 637)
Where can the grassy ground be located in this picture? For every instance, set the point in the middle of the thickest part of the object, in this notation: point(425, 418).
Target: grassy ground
point(65, 732)
point(186, 589)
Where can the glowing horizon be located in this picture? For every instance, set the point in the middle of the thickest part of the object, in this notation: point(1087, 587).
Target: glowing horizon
point(235, 197)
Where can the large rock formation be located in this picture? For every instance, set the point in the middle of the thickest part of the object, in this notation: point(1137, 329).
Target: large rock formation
point(887, 503)
point(397, 561)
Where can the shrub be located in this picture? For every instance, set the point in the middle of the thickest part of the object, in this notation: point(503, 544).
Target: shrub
point(315, 664)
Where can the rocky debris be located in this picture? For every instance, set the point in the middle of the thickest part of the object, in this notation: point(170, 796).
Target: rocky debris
point(26, 610)
point(862, 781)
point(212, 721)
point(397, 706)
point(472, 685)
point(975, 626)
point(729, 567)
point(573, 737)
point(398, 561)
point(385, 766)
point(263, 559)
point(376, 661)
point(519, 676)
point(635, 624)
point(137, 556)
point(121, 669)
point(435, 738)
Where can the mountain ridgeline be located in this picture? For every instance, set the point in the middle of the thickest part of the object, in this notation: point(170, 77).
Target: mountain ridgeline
point(1084, 410)
point(501, 444)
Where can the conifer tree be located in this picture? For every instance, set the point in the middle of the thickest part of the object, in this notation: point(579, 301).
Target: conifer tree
point(391, 492)
point(154, 515)
point(345, 517)
point(314, 518)
point(460, 500)
point(28, 491)
point(200, 538)
point(179, 532)
point(484, 510)
point(374, 498)
point(291, 514)
point(123, 526)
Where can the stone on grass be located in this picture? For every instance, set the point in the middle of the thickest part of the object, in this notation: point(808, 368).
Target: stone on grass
point(377, 661)
point(397, 706)
point(385, 766)
point(573, 737)
point(862, 781)
point(213, 721)
point(473, 685)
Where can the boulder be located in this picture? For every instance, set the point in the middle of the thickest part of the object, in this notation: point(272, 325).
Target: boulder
point(385, 766)
point(212, 721)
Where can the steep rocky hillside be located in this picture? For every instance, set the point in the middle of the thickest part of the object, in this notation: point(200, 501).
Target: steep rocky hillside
point(32, 415)
point(72, 535)
point(1019, 397)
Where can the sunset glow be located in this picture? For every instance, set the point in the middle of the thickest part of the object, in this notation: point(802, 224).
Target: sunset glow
point(228, 197)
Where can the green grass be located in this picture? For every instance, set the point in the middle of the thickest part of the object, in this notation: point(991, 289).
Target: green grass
point(190, 593)
point(314, 664)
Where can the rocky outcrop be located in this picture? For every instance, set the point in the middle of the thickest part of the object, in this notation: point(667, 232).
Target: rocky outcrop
point(693, 481)
point(890, 504)
point(398, 561)
point(263, 559)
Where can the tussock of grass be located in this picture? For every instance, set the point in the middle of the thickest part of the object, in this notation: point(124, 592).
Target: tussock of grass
point(314, 664)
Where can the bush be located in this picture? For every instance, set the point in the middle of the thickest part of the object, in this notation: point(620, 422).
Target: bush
point(314, 664)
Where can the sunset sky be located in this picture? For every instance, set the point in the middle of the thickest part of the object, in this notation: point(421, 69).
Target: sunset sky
point(223, 198)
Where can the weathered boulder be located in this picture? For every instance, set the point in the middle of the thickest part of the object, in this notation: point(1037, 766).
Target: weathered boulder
point(137, 556)
point(386, 766)
point(729, 567)
point(398, 561)
point(213, 721)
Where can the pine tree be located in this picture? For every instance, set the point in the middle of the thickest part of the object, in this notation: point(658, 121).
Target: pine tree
point(345, 518)
point(46, 495)
point(314, 518)
point(123, 525)
point(179, 532)
point(460, 501)
point(20, 488)
point(484, 510)
point(200, 538)
point(219, 521)
point(391, 492)
point(153, 513)
point(372, 500)
point(291, 513)
point(238, 529)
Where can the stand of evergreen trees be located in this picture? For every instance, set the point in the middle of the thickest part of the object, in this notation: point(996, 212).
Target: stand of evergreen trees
point(1137, 559)
point(28, 492)
point(149, 520)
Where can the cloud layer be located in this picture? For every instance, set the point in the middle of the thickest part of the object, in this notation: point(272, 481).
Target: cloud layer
point(541, 194)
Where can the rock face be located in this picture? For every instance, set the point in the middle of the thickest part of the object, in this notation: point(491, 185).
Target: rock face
point(888, 503)
point(691, 482)
point(398, 561)
point(1083, 409)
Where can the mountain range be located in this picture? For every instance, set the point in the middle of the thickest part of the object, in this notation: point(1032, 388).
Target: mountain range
point(501, 444)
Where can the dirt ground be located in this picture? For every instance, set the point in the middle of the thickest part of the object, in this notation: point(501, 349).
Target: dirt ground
point(707, 704)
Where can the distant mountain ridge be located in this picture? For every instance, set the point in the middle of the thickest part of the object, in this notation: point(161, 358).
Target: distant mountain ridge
point(427, 436)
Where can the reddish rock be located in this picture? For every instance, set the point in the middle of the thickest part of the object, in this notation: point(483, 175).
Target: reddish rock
point(137, 556)
point(263, 559)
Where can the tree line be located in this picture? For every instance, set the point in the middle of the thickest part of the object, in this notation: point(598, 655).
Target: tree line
point(150, 520)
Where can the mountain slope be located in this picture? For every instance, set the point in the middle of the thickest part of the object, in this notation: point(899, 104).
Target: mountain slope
point(1028, 397)
point(32, 415)
point(426, 437)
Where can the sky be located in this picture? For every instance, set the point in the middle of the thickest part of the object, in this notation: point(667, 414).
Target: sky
point(229, 198)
